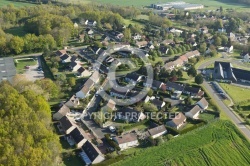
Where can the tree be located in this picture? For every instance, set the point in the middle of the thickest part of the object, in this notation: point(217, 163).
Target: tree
point(16, 44)
point(217, 41)
point(86, 38)
point(127, 34)
point(203, 47)
point(192, 71)
point(170, 51)
point(150, 92)
point(98, 44)
point(224, 40)
point(179, 73)
point(199, 79)
point(72, 81)
point(188, 100)
point(49, 86)
point(221, 9)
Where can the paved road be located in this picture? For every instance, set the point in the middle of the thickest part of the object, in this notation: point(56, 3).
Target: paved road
point(229, 113)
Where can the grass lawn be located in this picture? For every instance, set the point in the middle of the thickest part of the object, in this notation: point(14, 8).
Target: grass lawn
point(21, 63)
point(16, 31)
point(208, 145)
point(16, 4)
point(238, 94)
point(186, 79)
point(207, 116)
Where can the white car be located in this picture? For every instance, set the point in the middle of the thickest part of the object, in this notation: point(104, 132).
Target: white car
point(112, 129)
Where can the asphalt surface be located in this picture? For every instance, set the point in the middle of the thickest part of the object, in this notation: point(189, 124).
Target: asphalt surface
point(238, 122)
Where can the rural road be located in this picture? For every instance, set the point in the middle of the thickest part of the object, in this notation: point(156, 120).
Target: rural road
point(229, 113)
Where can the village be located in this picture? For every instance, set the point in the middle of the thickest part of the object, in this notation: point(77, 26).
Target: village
point(132, 87)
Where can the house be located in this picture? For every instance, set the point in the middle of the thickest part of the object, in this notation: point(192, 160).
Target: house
point(95, 77)
point(167, 42)
point(155, 84)
point(82, 72)
point(73, 58)
point(174, 31)
point(95, 49)
point(84, 92)
point(177, 121)
point(158, 103)
point(74, 66)
point(119, 92)
point(176, 95)
point(61, 112)
point(222, 30)
point(65, 58)
point(223, 71)
point(189, 55)
point(129, 114)
point(232, 36)
point(89, 31)
point(116, 34)
point(184, 59)
point(73, 102)
point(192, 91)
point(178, 62)
point(60, 52)
point(81, 37)
point(157, 131)
point(194, 112)
point(246, 57)
point(196, 53)
point(77, 138)
point(111, 104)
point(66, 125)
point(169, 66)
point(126, 141)
point(202, 103)
point(150, 46)
point(203, 30)
point(90, 23)
point(105, 38)
point(163, 49)
point(91, 154)
point(141, 44)
point(171, 86)
point(229, 49)
point(133, 78)
point(137, 36)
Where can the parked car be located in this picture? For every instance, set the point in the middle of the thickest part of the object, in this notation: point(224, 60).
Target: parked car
point(112, 129)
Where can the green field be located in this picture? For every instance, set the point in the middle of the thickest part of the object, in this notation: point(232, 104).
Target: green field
point(219, 143)
point(238, 94)
point(16, 4)
point(142, 3)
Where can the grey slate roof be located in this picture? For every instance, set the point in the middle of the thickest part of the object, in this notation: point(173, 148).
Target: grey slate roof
point(7, 69)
